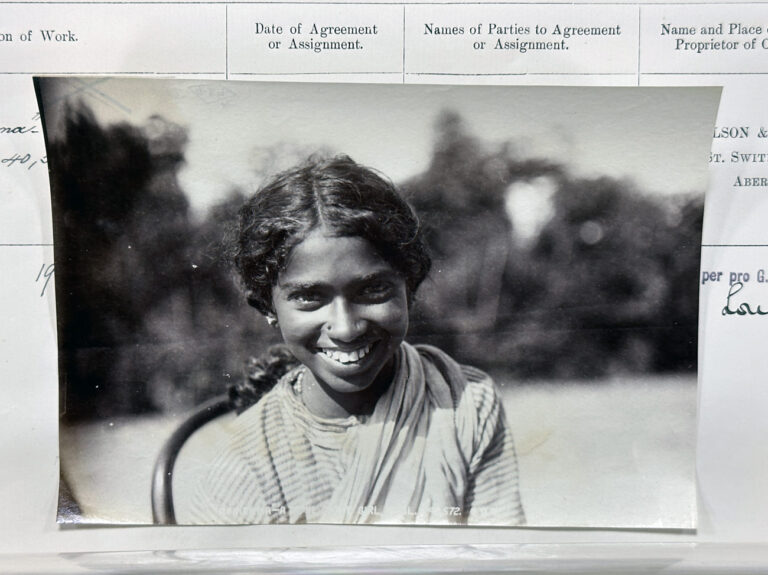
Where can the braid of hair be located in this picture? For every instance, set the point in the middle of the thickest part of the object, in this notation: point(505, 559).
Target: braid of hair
point(261, 374)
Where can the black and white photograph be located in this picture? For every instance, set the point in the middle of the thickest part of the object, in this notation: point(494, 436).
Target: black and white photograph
point(376, 304)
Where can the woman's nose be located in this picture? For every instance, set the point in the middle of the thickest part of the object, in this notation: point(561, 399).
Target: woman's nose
point(344, 323)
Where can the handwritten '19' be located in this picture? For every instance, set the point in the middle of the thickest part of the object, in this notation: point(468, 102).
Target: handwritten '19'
point(46, 271)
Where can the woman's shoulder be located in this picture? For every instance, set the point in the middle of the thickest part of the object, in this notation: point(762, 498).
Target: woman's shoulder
point(466, 381)
point(483, 392)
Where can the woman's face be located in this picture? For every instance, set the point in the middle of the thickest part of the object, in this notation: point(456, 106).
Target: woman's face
point(342, 311)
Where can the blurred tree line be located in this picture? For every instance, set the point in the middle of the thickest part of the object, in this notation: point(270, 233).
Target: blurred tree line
point(150, 316)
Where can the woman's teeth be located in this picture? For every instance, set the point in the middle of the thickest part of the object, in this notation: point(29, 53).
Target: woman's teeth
point(346, 357)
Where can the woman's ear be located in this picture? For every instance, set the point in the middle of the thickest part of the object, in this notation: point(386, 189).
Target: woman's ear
point(271, 319)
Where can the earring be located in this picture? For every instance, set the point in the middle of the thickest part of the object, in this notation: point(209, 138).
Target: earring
point(271, 320)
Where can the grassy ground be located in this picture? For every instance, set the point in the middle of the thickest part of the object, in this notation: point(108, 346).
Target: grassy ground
point(615, 453)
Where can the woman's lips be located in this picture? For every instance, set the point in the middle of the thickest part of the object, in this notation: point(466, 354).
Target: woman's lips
point(346, 357)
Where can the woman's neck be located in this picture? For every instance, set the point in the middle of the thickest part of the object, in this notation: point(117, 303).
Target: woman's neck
point(325, 402)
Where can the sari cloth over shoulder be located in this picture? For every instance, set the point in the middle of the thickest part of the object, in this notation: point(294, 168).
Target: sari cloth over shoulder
point(435, 449)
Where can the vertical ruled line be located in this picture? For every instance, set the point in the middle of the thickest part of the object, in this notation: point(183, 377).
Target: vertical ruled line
point(226, 41)
point(403, 43)
point(639, 32)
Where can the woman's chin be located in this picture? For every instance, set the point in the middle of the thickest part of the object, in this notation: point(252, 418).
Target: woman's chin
point(338, 379)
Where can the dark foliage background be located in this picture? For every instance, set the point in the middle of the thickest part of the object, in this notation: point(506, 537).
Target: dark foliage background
point(151, 318)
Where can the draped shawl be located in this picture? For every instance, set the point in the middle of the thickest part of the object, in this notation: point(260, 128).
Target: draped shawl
point(416, 458)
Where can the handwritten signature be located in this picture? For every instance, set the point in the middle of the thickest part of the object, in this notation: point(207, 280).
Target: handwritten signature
point(743, 308)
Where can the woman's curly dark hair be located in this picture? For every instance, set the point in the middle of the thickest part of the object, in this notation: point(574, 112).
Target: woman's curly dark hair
point(342, 197)
point(345, 199)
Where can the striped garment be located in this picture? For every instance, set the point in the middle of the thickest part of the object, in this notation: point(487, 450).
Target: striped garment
point(436, 449)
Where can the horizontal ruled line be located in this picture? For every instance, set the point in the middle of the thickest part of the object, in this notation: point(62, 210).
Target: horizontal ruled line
point(231, 73)
point(703, 73)
point(223, 73)
point(63, 73)
point(632, 74)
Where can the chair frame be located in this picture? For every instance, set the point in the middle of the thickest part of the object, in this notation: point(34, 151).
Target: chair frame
point(163, 512)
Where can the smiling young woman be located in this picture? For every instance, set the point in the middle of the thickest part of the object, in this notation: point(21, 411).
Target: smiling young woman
point(354, 425)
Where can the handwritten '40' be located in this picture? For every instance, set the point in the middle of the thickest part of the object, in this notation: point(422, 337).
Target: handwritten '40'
point(20, 160)
point(743, 308)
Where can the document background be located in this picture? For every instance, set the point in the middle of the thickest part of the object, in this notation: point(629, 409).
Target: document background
point(211, 40)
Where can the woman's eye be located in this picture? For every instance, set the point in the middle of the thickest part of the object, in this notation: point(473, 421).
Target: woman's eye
point(306, 299)
point(376, 292)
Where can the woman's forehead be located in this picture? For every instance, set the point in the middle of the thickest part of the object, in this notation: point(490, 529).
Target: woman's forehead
point(322, 257)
